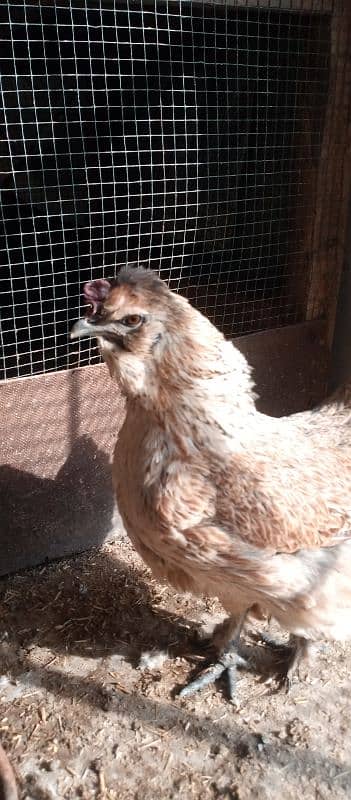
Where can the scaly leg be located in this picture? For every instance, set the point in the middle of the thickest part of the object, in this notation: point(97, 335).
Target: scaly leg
point(228, 662)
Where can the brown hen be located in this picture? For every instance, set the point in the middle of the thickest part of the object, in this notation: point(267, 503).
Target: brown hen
point(218, 498)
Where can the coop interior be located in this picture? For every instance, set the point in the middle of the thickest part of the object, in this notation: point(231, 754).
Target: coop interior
point(209, 141)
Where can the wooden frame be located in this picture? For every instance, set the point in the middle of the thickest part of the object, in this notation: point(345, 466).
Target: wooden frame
point(309, 6)
point(325, 249)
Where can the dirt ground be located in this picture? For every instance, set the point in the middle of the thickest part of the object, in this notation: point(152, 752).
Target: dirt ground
point(81, 719)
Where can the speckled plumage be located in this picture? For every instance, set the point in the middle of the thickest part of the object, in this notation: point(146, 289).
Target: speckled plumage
point(218, 498)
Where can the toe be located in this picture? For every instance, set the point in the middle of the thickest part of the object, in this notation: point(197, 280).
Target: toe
point(228, 664)
point(232, 683)
point(209, 675)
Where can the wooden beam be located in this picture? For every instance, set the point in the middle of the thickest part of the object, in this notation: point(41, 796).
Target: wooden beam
point(303, 6)
point(326, 251)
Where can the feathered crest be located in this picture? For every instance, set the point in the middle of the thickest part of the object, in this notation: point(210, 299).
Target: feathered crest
point(132, 274)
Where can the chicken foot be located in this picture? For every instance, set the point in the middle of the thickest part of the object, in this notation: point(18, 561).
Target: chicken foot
point(290, 655)
point(228, 662)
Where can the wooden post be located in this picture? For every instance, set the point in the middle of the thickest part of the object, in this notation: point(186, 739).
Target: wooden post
point(333, 179)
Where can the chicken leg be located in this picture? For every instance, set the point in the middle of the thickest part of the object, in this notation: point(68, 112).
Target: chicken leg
point(228, 661)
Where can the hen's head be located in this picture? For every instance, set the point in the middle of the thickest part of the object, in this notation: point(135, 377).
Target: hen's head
point(153, 341)
point(131, 313)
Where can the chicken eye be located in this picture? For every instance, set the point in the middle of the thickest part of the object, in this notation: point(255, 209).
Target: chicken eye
point(132, 320)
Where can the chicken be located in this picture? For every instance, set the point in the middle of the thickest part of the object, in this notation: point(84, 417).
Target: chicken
point(217, 498)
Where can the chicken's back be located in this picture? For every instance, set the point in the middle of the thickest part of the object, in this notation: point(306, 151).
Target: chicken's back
point(329, 422)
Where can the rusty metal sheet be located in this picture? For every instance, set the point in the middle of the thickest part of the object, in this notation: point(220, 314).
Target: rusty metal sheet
point(57, 433)
point(290, 366)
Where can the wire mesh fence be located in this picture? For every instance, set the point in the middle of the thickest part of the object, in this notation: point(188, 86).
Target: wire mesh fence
point(171, 133)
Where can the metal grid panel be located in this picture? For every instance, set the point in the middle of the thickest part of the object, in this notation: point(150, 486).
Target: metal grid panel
point(167, 132)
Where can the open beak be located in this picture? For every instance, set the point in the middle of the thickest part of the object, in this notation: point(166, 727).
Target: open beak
point(83, 328)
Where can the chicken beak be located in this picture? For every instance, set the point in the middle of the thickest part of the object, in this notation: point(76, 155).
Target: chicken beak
point(83, 328)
